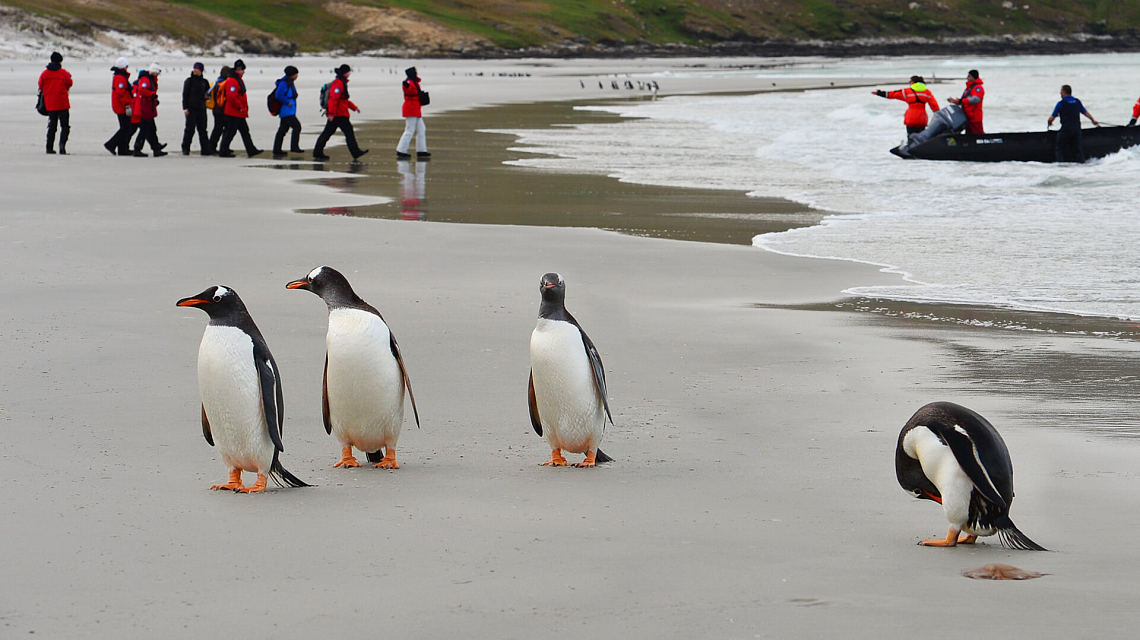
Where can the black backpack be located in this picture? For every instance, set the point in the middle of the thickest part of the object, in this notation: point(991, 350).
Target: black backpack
point(272, 102)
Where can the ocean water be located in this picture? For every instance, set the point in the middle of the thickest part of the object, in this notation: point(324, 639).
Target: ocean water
point(1027, 236)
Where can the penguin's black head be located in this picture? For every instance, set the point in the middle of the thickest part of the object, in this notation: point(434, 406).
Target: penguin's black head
point(217, 301)
point(553, 288)
point(329, 284)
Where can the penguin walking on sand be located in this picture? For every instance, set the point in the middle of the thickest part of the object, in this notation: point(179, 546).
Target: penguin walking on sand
point(568, 403)
point(953, 456)
point(243, 409)
point(362, 397)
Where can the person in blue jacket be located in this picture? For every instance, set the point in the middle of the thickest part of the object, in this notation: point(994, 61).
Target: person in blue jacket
point(286, 94)
point(1069, 137)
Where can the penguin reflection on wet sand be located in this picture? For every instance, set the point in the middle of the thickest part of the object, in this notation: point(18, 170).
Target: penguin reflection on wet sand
point(953, 456)
point(568, 403)
point(364, 380)
point(242, 407)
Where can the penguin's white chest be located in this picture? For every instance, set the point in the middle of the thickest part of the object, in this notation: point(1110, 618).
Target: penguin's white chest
point(364, 383)
point(231, 395)
point(570, 407)
point(942, 468)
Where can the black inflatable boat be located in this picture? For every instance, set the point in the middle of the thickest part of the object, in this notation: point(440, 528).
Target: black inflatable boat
point(1018, 147)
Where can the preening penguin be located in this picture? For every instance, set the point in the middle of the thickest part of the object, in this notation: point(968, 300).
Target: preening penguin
point(953, 456)
point(365, 377)
point(568, 403)
point(242, 407)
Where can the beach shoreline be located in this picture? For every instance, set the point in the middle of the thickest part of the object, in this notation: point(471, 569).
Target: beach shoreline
point(753, 493)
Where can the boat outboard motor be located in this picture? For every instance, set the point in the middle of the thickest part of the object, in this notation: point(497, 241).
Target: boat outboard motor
point(947, 119)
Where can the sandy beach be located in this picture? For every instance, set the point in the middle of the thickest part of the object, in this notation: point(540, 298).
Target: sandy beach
point(753, 493)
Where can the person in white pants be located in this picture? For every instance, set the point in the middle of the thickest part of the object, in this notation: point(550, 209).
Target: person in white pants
point(413, 118)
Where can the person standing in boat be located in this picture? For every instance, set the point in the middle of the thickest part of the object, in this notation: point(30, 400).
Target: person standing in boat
point(917, 97)
point(1135, 114)
point(971, 102)
point(1069, 137)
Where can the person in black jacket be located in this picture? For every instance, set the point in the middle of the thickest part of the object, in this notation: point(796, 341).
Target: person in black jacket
point(194, 92)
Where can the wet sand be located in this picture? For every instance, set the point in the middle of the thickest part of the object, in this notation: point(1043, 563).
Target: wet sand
point(753, 493)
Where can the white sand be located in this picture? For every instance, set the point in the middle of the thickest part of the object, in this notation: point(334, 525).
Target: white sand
point(753, 493)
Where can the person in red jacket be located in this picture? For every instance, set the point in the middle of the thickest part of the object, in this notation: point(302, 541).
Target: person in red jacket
point(55, 83)
point(413, 118)
point(121, 100)
point(1135, 114)
point(917, 97)
point(337, 113)
point(145, 110)
point(237, 112)
point(971, 102)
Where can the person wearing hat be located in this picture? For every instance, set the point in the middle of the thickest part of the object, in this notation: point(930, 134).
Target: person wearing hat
point(145, 110)
point(55, 82)
point(218, 108)
point(971, 102)
point(413, 118)
point(237, 112)
point(286, 95)
point(121, 100)
point(337, 113)
point(917, 97)
point(194, 91)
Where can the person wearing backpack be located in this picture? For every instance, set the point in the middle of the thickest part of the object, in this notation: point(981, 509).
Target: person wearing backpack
point(145, 110)
point(216, 103)
point(337, 114)
point(121, 100)
point(285, 94)
point(194, 91)
point(413, 117)
point(55, 83)
point(237, 112)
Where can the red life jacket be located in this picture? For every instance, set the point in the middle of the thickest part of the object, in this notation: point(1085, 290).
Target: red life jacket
point(412, 99)
point(974, 89)
point(916, 101)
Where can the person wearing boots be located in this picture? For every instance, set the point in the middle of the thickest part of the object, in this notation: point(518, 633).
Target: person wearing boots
point(339, 106)
point(194, 91)
point(121, 100)
point(145, 110)
point(286, 95)
point(55, 82)
point(217, 105)
point(237, 112)
point(413, 118)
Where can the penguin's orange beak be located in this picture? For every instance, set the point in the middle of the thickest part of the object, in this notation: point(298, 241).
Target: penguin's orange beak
point(191, 302)
point(548, 285)
point(298, 284)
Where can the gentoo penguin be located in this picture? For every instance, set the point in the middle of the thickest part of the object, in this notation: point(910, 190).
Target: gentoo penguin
point(365, 377)
point(953, 456)
point(568, 401)
point(242, 406)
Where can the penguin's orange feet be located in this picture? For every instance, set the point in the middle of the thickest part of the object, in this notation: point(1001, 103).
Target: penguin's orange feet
point(233, 485)
point(389, 459)
point(556, 459)
point(347, 460)
point(967, 538)
point(589, 461)
point(258, 486)
point(950, 540)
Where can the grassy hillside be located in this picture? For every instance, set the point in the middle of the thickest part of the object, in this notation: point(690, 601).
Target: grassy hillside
point(318, 24)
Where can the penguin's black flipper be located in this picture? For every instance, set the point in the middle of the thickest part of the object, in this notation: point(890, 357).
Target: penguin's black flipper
point(282, 476)
point(601, 457)
point(534, 421)
point(1013, 538)
point(404, 373)
point(206, 427)
point(325, 398)
point(271, 398)
point(599, 371)
point(967, 456)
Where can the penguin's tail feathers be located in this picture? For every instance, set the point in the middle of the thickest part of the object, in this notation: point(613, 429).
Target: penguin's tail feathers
point(1011, 537)
point(282, 476)
point(601, 457)
point(375, 456)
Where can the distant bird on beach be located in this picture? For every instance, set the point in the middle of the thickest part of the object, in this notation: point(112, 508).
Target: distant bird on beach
point(242, 407)
point(362, 397)
point(953, 456)
point(567, 391)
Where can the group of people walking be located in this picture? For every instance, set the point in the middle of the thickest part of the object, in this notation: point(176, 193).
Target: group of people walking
point(135, 105)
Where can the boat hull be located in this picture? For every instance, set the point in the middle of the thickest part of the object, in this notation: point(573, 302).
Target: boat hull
point(1038, 146)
